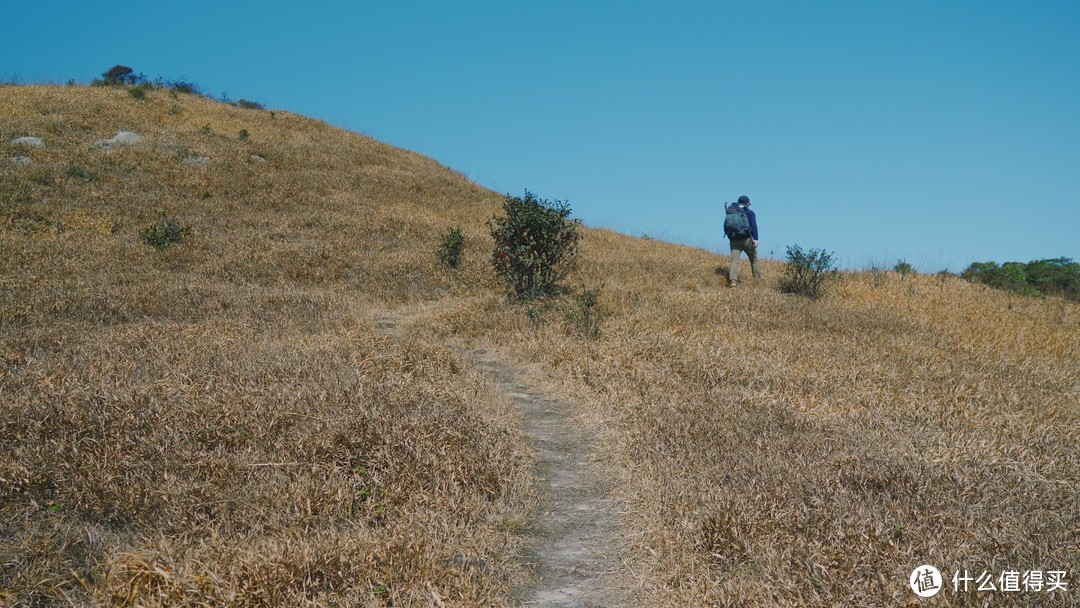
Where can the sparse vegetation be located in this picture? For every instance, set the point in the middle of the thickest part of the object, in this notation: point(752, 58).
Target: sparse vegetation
point(536, 244)
point(41, 177)
point(807, 272)
point(79, 173)
point(165, 233)
point(587, 315)
point(183, 87)
point(249, 105)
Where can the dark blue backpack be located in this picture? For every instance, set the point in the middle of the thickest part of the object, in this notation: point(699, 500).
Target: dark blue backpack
point(737, 223)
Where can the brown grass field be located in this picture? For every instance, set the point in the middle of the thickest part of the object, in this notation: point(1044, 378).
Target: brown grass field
point(221, 423)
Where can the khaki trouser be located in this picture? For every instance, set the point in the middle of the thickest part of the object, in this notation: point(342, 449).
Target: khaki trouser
point(737, 247)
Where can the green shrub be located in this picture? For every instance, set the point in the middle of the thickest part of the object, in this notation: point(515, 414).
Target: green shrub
point(244, 134)
point(806, 272)
point(536, 245)
point(165, 233)
point(451, 247)
point(903, 268)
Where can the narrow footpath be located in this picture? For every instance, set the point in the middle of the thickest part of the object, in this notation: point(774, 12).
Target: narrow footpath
point(575, 545)
point(575, 555)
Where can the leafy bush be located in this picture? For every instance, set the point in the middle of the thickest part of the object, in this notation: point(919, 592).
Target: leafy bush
point(903, 268)
point(244, 134)
point(451, 247)
point(167, 232)
point(535, 244)
point(806, 272)
point(1041, 277)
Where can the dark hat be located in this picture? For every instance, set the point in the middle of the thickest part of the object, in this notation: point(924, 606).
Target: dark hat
point(744, 200)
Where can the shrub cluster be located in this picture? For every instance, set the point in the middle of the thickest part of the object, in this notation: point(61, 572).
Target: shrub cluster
point(167, 232)
point(536, 244)
point(1059, 276)
point(903, 267)
point(139, 84)
point(806, 272)
point(451, 247)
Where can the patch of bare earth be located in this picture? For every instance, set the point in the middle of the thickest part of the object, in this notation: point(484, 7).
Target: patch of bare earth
point(574, 537)
point(576, 544)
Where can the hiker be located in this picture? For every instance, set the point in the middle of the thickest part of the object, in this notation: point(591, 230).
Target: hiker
point(740, 226)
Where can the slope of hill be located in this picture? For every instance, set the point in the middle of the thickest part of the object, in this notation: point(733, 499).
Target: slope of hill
point(221, 421)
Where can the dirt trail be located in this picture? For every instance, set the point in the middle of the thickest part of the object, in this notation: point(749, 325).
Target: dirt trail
point(576, 545)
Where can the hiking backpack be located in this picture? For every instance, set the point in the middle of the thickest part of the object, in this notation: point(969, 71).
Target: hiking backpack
point(737, 223)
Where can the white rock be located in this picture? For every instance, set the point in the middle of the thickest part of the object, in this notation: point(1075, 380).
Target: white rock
point(257, 158)
point(33, 142)
point(197, 161)
point(21, 160)
point(124, 138)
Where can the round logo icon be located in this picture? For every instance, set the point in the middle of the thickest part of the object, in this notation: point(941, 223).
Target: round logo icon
point(925, 581)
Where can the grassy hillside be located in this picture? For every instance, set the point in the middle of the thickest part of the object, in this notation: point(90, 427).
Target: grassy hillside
point(219, 421)
point(222, 422)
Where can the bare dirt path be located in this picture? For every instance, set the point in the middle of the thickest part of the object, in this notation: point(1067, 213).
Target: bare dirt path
point(576, 549)
point(576, 544)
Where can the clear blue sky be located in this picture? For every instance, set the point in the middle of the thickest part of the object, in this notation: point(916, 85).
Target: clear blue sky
point(942, 132)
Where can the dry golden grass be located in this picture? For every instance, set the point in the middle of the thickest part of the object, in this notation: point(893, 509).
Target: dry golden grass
point(779, 451)
point(220, 423)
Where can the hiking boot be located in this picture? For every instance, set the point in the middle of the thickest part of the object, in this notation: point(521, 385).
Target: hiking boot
point(732, 284)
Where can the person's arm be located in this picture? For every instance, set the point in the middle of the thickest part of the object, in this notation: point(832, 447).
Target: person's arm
point(753, 225)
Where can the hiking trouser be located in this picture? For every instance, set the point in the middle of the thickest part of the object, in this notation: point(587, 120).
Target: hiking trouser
point(737, 247)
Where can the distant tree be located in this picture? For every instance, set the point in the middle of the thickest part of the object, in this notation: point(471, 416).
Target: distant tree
point(119, 75)
point(1055, 276)
point(1041, 277)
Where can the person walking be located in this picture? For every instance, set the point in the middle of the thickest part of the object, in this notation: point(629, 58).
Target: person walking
point(740, 227)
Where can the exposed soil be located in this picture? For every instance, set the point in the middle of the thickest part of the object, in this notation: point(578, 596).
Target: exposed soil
point(576, 547)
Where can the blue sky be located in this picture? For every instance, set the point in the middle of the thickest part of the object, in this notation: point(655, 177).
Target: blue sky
point(938, 132)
